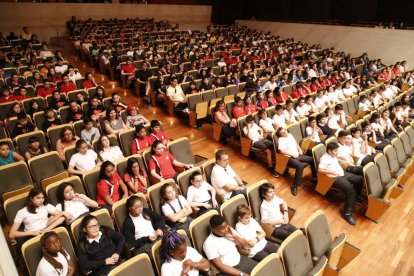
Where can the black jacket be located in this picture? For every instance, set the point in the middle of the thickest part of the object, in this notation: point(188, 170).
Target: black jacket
point(157, 220)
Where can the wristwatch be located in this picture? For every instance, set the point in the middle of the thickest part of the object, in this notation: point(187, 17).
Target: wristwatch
point(241, 273)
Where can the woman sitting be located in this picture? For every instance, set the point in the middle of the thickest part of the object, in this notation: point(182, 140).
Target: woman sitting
point(198, 194)
point(175, 208)
point(35, 216)
point(162, 162)
point(135, 118)
point(99, 247)
point(228, 126)
point(34, 149)
point(113, 123)
point(84, 160)
point(106, 151)
point(67, 139)
point(179, 259)
point(77, 205)
point(108, 186)
point(142, 227)
point(142, 141)
point(135, 178)
point(55, 261)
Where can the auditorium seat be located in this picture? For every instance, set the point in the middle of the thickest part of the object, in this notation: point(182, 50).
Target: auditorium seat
point(183, 179)
point(139, 264)
point(103, 216)
point(51, 190)
point(22, 141)
point(269, 266)
point(47, 168)
point(324, 182)
point(154, 194)
point(181, 150)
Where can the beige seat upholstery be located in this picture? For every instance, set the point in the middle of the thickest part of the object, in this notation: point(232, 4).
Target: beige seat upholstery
point(181, 150)
point(51, 190)
point(269, 266)
point(183, 180)
point(229, 207)
point(103, 216)
point(47, 168)
point(140, 263)
point(14, 176)
point(90, 180)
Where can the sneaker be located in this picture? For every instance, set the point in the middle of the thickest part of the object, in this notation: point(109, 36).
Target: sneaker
point(274, 173)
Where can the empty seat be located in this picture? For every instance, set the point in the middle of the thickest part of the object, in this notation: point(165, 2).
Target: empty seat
point(126, 137)
point(140, 263)
point(402, 157)
point(393, 164)
point(269, 266)
point(14, 177)
point(181, 150)
point(13, 204)
point(47, 168)
point(198, 108)
point(207, 168)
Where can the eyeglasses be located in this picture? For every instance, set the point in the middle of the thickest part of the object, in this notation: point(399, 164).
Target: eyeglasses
point(90, 227)
point(137, 207)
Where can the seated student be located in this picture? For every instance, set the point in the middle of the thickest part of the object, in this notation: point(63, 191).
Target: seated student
point(113, 123)
point(291, 116)
point(67, 85)
point(220, 249)
point(265, 123)
point(57, 101)
point(51, 119)
point(270, 212)
point(249, 107)
point(198, 194)
point(372, 136)
point(46, 89)
point(288, 146)
point(99, 247)
point(302, 109)
point(205, 84)
point(142, 227)
point(364, 104)
point(310, 105)
point(331, 95)
point(313, 131)
point(228, 126)
point(271, 98)
point(279, 119)
point(67, 139)
point(109, 186)
point(84, 160)
point(226, 182)
point(89, 81)
point(349, 183)
point(387, 124)
point(135, 178)
point(107, 151)
point(34, 149)
point(34, 107)
point(141, 141)
point(135, 118)
point(95, 109)
point(116, 103)
point(261, 102)
point(380, 130)
point(80, 98)
point(75, 112)
point(23, 125)
point(250, 230)
point(77, 205)
point(37, 216)
point(162, 162)
point(322, 123)
point(238, 109)
point(177, 96)
point(321, 100)
point(6, 95)
point(175, 208)
point(192, 88)
point(100, 93)
point(179, 259)
point(7, 155)
point(345, 155)
point(157, 133)
point(89, 133)
point(55, 260)
point(261, 140)
point(360, 147)
point(15, 110)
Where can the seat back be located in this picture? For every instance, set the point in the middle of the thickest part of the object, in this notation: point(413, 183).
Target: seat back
point(3, 133)
point(13, 205)
point(296, 255)
point(228, 209)
point(200, 229)
point(45, 166)
point(207, 168)
point(269, 266)
point(318, 234)
point(39, 100)
point(317, 153)
point(384, 170)
point(121, 165)
point(193, 100)
point(14, 176)
point(5, 109)
point(221, 92)
point(154, 194)
point(399, 148)
point(121, 213)
point(126, 137)
point(183, 180)
point(295, 130)
point(410, 132)
point(208, 95)
point(141, 263)
point(90, 180)
point(254, 198)
point(373, 180)
point(54, 134)
point(405, 140)
point(181, 150)
point(103, 216)
point(51, 190)
point(392, 159)
point(22, 141)
point(32, 253)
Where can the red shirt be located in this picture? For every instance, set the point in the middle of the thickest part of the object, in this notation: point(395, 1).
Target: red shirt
point(161, 135)
point(283, 97)
point(129, 69)
point(263, 104)
point(43, 92)
point(238, 112)
point(272, 100)
point(250, 109)
point(136, 180)
point(65, 88)
point(163, 164)
point(11, 98)
point(87, 84)
point(140, 144)
point(314, 87)
point(21, 98)
point(108, 188)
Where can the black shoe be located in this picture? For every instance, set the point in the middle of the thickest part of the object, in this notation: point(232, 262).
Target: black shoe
point(274, 173)
point(349, 219)
point(286, 172)
point(294, 190)
point(314, 180)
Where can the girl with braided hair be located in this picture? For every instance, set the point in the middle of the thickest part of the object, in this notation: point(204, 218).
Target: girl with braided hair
point(56, 261)
point(178, 259)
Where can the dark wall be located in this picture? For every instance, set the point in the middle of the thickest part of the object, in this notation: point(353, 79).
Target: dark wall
point(345, 12)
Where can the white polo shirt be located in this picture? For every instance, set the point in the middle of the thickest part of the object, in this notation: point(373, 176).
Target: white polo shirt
point(344, 153)
point(221, 177)
point(223, 248)
point(113, 154)
point(279, 120)
point(270, 210)
point(290, 115)
point(143, 227)
point(175, 267)
point(200, 194)
point(249, 232)
point(84, 162)
point(267, 124)
point(330, 163)
point(288, 145)
point(313, 134)
point(34, 222)
point(75, 207)
point(46, 269)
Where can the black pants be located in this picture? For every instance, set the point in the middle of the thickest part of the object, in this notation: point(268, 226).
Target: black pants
point(239, 192)
point(246, 264)
point(358, 170)
point(227, 131)
point(351, 185)
point(267, 250)
point(299, 164)
point(283, 231)
point(367, 159)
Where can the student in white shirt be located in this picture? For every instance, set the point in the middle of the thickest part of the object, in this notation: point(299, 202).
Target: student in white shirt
point(349, 183)
point(198, 194)
point(360, 147)
point(84, 160)
point(345, 155)
point(385, 121)
point(321, 101)
point(310, 105)
point(271, 84)
point(279, 119)
point(250, 230)
point(55, 261)
point(288, 146)
point(35, 216)
point(220, 249)
point(339, 93)
point(364, 104)
point(73, 203)
point(313, 131)
point(265, 123)
point(302, 109)
point(291, 115)
point(176, 95)
point(107, 151)
point(223, 178)
point(271, 213)
point(178, 259)
point(333, 98)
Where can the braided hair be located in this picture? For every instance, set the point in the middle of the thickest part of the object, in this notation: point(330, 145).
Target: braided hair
point(170, 241)
point(48, 257)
